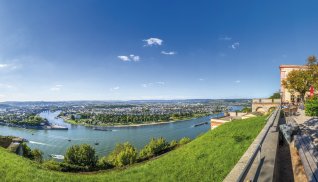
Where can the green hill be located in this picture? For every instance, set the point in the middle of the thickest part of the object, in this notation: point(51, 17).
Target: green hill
point(210, 157)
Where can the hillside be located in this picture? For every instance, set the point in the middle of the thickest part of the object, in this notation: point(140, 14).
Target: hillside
point(210, 157)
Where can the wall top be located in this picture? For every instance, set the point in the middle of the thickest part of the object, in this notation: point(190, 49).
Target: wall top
point(292, 66)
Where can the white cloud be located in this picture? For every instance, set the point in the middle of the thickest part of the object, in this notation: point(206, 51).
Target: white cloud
point(5, 86)
point(160, 83)
point(146, 85)
point(134, 57)
point(168, 53)
point(235, 45)
point(129, 58)
point(3, 66)
point(225, 38)
point(56, 88)
point(153, 41)
point(237, 81)
point(124, 58)
point(115, 88)
point(201, 79)
point(9, 67)
point(2, 96)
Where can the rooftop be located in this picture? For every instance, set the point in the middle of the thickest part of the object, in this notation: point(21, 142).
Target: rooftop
point(292, 66)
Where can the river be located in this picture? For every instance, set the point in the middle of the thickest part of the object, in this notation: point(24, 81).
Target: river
point(57, 141)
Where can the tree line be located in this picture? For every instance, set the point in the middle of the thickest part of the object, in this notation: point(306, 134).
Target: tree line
point(83, 158)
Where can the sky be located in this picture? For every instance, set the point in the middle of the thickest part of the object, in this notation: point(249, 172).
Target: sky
point(150, 49)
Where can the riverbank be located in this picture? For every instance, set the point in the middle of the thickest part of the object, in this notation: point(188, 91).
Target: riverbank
point(45, 126)
point(207, 158)
point(120, 125)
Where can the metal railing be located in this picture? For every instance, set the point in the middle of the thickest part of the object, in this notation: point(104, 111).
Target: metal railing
point(258, 150)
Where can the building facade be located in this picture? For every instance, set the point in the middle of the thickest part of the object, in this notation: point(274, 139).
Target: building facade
point(285, 94)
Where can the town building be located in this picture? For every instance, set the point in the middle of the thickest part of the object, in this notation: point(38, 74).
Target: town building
point(286, 95)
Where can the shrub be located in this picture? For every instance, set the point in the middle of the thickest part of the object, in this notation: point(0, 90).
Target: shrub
point(311, 107)
point(123, 154)
point(173, 144)
point(155, 147)
point(37, 155)
point(52, 165)
point(81, 155)
point(246, 109)
point(184, 140)
point(103, 163)
point(26, 151)
point(66, 167)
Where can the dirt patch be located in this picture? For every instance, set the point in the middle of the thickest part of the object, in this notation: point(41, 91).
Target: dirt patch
point(298, 169)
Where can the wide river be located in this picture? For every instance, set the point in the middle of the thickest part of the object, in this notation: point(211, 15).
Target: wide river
point(57, 141)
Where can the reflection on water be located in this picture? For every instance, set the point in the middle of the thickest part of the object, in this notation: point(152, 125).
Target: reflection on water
point(57, 141)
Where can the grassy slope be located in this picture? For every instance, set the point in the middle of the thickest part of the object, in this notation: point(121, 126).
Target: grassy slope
point(208, 158)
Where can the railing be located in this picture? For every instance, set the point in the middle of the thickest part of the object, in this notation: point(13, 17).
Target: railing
point(265, 101)
point(242, 174)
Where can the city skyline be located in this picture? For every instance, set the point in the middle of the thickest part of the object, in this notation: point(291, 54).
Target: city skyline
point(118, 50)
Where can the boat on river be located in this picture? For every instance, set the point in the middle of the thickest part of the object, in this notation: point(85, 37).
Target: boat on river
point(199, 124)
point(101, 129)
point(60, 157)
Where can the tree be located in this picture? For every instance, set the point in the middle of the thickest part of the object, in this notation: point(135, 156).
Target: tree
point(298, 81)
point(275, 95)
point(72, 117)
point(311, 60)
point(81, 155)
point(123, 154)
point(313, 69)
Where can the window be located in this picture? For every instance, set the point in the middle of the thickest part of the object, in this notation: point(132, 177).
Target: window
point(292, 98)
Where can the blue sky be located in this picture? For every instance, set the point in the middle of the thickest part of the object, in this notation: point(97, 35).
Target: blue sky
point(147, 49)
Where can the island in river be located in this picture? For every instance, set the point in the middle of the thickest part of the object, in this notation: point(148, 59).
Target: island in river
point(28, 121)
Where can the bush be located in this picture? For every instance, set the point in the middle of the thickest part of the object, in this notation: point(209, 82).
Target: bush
point(173, 144)
point(154, 148)
point(81, 155)
point(26, 151)
point(123, 154)
point(66, 167)
point(184, 140)
point(246, 109)
point(37, 155)
point(311, 107)
point(103, 163)
point(52, 165)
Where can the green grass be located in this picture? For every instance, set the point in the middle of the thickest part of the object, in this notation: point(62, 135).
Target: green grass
point(210, 157)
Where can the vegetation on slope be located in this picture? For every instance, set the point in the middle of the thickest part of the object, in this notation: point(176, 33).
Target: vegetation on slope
point(210, 157)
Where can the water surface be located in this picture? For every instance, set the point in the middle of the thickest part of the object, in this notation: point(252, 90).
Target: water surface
point(57, 141)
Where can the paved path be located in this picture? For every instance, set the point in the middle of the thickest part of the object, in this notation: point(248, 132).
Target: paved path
point(301, 118)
